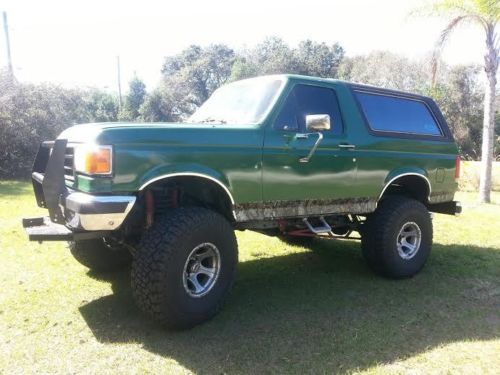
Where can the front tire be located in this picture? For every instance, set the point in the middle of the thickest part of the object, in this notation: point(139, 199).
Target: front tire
point(184, 267)
point(100, 255)
point(397, 237)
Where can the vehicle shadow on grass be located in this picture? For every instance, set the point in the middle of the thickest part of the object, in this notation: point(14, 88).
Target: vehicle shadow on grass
point(320, 311)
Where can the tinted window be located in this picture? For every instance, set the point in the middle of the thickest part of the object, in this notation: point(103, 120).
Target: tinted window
point(396, 114)
point(309, 100)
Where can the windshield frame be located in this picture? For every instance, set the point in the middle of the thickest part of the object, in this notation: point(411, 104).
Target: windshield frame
point(283, 83)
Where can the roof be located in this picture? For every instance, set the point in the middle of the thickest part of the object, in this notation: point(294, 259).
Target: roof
point(352, 85)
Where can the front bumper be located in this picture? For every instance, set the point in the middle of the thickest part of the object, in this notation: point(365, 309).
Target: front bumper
point(70, 211)
point(90, 212)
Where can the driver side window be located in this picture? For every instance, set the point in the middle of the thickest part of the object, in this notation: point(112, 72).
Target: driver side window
point(306, 100)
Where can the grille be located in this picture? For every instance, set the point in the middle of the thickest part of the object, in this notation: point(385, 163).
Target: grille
point(69, 168)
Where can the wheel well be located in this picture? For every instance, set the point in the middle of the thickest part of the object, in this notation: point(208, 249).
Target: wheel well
point(189, 191)
point(415, 186)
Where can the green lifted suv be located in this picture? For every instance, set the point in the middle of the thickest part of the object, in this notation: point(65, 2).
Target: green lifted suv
point(289, 156)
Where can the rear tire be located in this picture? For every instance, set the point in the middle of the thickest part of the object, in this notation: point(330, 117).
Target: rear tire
point(397, 237)
point(184, 267)
point(98, 255)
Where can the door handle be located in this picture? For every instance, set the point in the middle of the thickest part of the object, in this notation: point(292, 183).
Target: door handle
point(347, 146)
point(313, 149)
point(301, 135)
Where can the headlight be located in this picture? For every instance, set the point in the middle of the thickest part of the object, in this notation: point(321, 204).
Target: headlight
point(93, 159)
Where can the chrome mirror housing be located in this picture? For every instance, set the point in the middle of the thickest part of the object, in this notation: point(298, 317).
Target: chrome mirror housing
point(318, 123)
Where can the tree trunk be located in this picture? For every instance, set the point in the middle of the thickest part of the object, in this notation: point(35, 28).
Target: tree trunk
point(490, 67)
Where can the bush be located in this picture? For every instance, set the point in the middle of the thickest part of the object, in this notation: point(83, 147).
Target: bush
point(469, 176)
point(30, 114)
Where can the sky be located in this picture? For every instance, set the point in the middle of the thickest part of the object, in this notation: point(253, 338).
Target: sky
point(75, 42)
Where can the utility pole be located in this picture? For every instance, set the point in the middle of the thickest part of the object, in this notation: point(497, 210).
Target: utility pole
point(7, 43)
point(119, 81)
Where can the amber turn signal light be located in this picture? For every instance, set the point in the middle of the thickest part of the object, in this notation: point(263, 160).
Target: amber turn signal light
point(93, 160)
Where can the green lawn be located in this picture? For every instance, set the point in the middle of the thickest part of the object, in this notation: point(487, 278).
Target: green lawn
point(300, 310)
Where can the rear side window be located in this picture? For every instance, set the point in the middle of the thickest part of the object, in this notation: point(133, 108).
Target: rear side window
point(397, 114)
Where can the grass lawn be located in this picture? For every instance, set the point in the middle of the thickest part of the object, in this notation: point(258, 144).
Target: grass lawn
point(469, 172)
point(293, 309)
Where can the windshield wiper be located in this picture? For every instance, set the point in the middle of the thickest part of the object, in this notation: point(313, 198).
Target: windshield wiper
point(210, 120)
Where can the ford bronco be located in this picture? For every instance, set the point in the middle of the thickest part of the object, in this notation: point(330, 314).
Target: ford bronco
point(290, 156)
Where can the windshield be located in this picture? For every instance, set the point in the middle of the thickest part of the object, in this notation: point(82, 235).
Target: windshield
point(241, 102)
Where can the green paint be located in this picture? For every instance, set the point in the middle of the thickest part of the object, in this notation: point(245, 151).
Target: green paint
point(258, 163)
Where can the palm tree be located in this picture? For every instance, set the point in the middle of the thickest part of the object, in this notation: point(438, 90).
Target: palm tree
point(485, 14)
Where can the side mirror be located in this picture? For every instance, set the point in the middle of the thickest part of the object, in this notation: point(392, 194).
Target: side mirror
point(318, 123)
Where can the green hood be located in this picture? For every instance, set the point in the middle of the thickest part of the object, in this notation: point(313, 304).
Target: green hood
point(116, 133)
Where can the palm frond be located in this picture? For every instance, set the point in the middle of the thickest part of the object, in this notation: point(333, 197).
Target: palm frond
point(441, 42)
point(488, 9)
point(481, 10)
point(452, 7)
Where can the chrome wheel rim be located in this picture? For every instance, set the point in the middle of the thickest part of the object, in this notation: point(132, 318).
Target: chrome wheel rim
point(408, 240)
point(201, 270)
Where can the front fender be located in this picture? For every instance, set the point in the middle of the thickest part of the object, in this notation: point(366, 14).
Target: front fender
point(184, 169)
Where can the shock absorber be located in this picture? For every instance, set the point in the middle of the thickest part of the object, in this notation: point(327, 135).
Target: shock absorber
point(150, 208)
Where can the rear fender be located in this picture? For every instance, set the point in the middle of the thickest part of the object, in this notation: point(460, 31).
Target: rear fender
point(402, 172)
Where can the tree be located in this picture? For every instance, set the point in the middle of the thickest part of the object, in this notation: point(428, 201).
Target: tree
point(274, 56)
point(459, 96)
point(242, 69)
point(167, 103)
point(133, 101)
point(203, 70)
point(319, 59)
point(100, 106)
point(385, 69)
point(188, 80)
point(30, 114)
point(190, 77)
point(485, 14)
